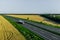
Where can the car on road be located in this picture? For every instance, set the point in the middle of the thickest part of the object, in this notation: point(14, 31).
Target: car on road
point(21, 22)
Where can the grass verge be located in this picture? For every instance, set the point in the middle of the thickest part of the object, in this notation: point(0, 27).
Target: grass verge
point(29, 35)
point(40, 27)
point(41, 23)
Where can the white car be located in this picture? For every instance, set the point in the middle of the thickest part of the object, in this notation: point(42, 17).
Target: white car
point(21, 22)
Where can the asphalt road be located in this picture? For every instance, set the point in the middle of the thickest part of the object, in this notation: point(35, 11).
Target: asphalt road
point(45, 34)
point(51, 28)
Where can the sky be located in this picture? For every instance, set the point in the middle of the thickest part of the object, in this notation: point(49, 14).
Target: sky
point(29, 6)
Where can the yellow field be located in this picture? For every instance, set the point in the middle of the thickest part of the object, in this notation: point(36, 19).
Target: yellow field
point(36, 18)
point(8, 32)
point(31, 17)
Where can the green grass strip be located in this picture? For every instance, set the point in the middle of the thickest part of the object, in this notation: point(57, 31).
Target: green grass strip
point(42, 23)
point(29, 35)
point(40, 27)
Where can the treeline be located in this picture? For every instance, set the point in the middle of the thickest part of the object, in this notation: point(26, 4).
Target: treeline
point(53, 17)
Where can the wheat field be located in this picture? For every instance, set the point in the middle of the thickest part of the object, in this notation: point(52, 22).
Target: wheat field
point(31, 17)
point(8, 32)
point(36, 18)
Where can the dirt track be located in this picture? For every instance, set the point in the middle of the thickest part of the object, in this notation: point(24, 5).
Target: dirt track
point(8, 32)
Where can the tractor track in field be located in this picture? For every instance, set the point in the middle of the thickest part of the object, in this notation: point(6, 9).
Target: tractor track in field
point(8, 32)
point(8, 35)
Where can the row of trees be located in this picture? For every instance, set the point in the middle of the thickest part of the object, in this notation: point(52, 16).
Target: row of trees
point(53, 17)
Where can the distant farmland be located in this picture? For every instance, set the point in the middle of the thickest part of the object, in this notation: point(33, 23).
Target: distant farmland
point(29, 27)
point(36, 18)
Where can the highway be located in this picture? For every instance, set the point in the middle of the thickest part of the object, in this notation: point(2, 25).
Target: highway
point(45, 34)
point(45, 27)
